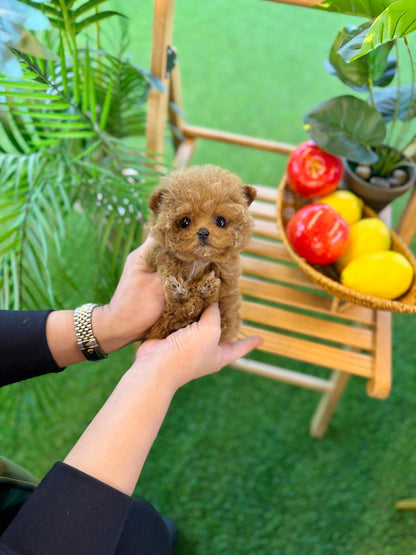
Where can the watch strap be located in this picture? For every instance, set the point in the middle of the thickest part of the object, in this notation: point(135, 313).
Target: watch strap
point(86, 339)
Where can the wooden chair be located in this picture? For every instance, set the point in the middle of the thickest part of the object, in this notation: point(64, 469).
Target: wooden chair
point(297, 320)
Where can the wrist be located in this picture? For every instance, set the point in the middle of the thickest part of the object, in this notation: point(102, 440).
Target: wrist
point(155, 374)
point(86, 340)
point(107, 330)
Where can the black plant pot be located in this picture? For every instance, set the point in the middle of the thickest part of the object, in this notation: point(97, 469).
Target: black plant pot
point(375, 197)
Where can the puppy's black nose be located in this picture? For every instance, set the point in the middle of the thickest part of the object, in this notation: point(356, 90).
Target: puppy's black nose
point(203, 233)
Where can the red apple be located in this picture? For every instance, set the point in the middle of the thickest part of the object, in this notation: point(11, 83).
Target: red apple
point(313, 172)
point(318, 233)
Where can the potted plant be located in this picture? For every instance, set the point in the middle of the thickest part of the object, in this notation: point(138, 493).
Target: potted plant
point(373, 135)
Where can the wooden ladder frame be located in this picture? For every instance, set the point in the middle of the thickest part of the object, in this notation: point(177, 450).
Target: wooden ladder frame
point(367, 329)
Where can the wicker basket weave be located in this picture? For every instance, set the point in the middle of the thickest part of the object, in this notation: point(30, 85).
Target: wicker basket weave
point(326, 277)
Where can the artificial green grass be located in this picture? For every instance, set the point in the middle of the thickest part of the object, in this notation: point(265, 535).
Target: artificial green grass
point(233, 463)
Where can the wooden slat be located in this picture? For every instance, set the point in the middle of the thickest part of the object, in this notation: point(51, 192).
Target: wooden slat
point(184, 153)
point(355, 312)
point(268, 248)
point(282, 374)
point(268, 194)
point(275, 271)
point(311, 326)
point(298, 299)
point(193, 131)
point(266, 228)
point(313, 353)
point(262, 209)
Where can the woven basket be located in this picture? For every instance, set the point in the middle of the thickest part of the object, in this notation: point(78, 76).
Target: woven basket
point(327, 277)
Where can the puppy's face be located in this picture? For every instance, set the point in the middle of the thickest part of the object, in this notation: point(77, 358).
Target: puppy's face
point(201, 213)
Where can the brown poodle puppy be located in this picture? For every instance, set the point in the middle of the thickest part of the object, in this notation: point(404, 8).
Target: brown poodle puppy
point(201, 222)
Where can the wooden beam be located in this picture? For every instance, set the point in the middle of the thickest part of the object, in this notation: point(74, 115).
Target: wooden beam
point(281, 374)
point(304, 3)
point(157, 107)
point(380, 385)
point(194, 132)
point(328, 404)
point(184, 153)
point(407, 224)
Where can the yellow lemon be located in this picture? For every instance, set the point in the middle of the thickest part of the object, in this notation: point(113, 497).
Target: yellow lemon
point(346, 203)
point(387, 275)
point(366, 236)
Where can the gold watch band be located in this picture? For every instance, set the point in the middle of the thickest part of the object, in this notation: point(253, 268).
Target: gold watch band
point(86, 339)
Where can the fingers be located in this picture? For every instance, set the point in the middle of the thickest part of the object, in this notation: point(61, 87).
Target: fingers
point(138, 256)
point(146, 246)
point(232, 351)
point(211, 316)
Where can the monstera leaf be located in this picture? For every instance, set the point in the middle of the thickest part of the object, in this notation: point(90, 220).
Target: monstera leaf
point(396, 103)
point(346, 126)
point(397, 21)
point(376, 67)
point(363, 8)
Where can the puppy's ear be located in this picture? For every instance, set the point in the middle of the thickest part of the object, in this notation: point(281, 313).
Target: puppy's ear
point(250, 193)
point(156, 199)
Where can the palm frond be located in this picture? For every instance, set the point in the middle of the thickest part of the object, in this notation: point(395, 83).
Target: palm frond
point(73, 194)
point(33, 113)
point(63, 14)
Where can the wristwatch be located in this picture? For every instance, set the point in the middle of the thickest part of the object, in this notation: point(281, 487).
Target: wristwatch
point(86, 339)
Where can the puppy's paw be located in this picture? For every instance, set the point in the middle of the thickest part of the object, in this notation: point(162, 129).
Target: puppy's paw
point(175, 289)
point(210, 288)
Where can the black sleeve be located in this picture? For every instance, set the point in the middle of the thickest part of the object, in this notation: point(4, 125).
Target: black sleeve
point(24, 351)
point(69, 512)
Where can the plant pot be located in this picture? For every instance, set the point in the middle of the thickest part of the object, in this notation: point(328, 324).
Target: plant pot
point(375, 197)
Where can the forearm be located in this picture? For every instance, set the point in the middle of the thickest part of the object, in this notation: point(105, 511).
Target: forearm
point(115, 445)
point(62, 340)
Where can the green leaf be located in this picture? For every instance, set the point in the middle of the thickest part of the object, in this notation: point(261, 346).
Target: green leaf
point(346, 126)
point(86, 6)
point(402, 99)
point(23, 104)
point(364, 8)
point(396, 22)
point(374, 68)
point(95, 19)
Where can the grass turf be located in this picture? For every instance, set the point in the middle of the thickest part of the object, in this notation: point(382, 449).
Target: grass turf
point(233, 464)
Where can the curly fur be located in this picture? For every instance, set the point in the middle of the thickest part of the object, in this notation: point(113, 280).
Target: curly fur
point(200, 222)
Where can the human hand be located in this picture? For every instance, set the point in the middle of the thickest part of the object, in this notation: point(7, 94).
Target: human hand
point(114, 447)
point(137, 303)
point(192, 352)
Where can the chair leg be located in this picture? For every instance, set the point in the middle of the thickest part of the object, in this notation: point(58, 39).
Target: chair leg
point(328, 403)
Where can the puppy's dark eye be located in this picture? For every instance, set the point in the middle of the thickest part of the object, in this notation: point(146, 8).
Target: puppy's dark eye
point(185, 222)
point(220, 221)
